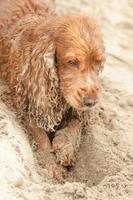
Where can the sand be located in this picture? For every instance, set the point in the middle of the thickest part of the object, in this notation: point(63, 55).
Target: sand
point(104, 168)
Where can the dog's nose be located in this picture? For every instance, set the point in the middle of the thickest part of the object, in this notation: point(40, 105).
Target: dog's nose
point(89, 101)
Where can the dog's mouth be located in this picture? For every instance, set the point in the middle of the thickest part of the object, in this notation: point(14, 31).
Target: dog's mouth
point(84, 108)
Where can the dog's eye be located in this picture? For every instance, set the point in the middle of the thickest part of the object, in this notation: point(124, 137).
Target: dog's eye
point(74, 63)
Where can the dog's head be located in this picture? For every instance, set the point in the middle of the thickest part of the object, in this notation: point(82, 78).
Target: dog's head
point(80, 58)
point(74, 45)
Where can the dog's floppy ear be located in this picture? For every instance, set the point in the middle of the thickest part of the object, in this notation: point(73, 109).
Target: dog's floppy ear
point(37, 79)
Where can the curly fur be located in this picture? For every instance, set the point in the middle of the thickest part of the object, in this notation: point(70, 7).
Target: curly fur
point(51, 63)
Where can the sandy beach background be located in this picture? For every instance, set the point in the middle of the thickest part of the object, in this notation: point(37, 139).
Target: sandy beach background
point(104, 168)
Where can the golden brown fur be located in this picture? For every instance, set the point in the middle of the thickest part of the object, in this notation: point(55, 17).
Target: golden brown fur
point(51, 64)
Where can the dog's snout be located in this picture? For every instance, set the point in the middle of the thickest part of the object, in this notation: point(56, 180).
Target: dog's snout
point(89, 101)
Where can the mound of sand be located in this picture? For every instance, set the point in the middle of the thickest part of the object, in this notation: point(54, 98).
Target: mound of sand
point(104, 169)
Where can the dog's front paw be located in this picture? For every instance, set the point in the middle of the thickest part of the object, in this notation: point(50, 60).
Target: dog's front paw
point(56, 172)
point(64, 150)
point(65, 155)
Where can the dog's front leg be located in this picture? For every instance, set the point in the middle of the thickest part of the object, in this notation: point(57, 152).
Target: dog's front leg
point(66, 143)
point(44, 151)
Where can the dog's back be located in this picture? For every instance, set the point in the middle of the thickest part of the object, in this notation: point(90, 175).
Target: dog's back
point(15, 9)
point(13, 12)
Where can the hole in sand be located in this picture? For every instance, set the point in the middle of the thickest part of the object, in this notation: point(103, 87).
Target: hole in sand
point(89, 168)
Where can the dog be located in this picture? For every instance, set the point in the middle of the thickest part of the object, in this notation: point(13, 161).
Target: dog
point(51, 64)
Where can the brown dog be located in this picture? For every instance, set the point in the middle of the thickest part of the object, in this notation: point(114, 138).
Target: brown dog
point(51, 64)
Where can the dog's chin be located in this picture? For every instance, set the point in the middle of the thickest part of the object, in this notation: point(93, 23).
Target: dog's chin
point(84, 108)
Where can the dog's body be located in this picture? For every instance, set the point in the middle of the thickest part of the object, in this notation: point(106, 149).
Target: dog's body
point(51, 64)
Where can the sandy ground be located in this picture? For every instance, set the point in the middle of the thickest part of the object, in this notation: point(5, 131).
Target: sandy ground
point(104, 169)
